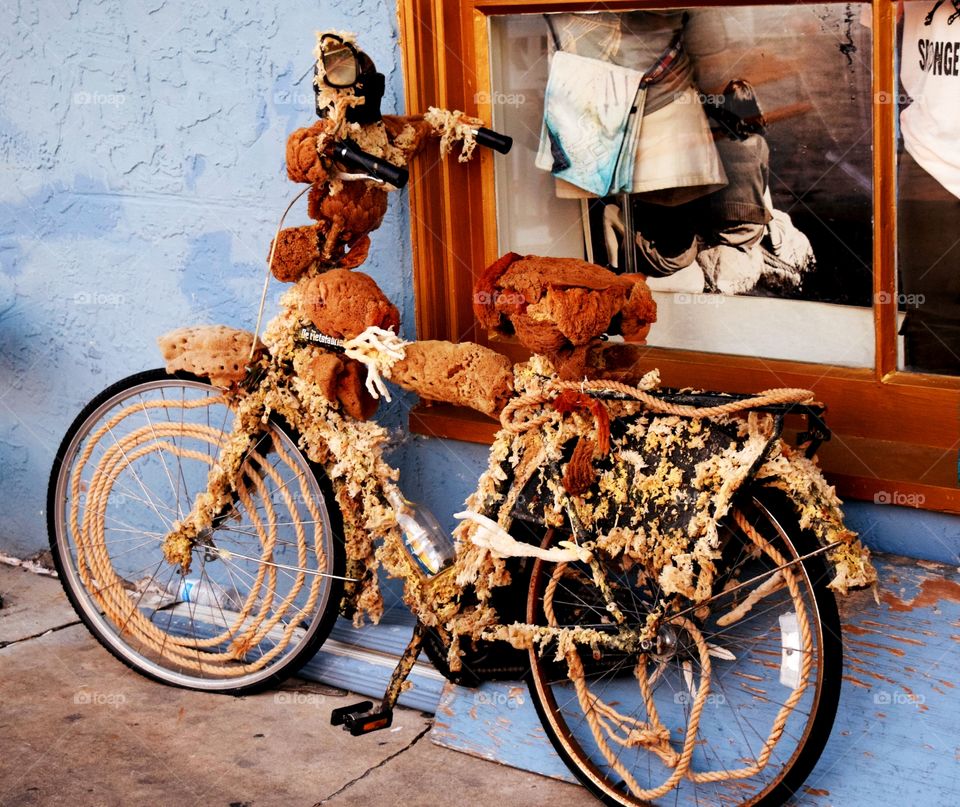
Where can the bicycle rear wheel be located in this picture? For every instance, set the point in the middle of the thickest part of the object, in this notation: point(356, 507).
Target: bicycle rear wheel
point(263, 589)
point(733, 704)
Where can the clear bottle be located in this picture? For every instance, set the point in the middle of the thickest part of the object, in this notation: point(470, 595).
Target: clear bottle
point(426, 540)
point(203, 591)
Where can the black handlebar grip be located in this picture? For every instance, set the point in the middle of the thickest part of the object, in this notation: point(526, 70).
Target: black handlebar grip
point(352, 156)
point(494, 140)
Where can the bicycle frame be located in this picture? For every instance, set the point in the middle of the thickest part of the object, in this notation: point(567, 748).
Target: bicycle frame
point(363, 481)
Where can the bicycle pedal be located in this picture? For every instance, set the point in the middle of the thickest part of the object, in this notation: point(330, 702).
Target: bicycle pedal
point(373, 721)
point(345, 714)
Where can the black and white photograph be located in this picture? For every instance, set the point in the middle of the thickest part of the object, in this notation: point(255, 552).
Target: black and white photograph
point(719, 152)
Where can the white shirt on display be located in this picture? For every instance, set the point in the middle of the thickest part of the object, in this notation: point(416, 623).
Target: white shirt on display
point(930, 72)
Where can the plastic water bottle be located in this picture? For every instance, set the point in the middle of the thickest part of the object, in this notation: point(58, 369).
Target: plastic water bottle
point(204, 591)
point(426, 540)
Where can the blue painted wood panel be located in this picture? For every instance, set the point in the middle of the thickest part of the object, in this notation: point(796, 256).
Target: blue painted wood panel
point(361, 660)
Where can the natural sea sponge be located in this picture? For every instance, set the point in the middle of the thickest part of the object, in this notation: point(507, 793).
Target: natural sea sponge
point(465, 374)
point(352, 392)
point(341, 380)
point(324, 371)
point(303, 161)
point(343, 304)
point(211, 351)
point(558, 303)
point(579, 314)
point(296, 253)
point(639, 312)
point(540, 335)
point(407, 133)
point(356, 210)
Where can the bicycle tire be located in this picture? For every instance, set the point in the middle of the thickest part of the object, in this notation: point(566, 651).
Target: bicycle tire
point(298, 629)
point(580, 751)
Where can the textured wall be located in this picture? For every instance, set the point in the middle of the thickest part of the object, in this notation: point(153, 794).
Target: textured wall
point(142, 152)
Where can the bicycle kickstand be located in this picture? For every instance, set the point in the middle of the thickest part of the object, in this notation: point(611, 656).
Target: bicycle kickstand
point(362, 718)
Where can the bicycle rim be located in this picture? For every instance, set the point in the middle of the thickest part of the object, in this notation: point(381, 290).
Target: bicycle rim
point(624, 727)
point(261, 593)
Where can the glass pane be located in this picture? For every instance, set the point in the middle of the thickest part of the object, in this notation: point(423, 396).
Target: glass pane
point(929, 186)
point(723, 152)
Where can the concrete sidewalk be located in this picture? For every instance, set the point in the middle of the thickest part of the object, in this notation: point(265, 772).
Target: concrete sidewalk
point(78, 728)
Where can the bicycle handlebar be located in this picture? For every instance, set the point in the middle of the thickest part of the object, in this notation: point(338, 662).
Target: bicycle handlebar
point(494, 140)
point(352, 156)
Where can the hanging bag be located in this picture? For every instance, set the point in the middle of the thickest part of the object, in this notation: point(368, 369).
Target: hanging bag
point(593, 110)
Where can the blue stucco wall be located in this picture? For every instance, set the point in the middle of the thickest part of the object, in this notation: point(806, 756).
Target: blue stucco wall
point(142, 152)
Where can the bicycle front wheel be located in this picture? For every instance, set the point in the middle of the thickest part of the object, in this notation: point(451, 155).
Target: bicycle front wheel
point(264, 584)
point(731, 704)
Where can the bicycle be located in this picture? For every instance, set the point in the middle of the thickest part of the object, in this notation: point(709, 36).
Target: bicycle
point(659, 565)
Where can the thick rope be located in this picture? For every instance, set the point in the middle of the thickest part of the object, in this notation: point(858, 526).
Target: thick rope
point(263, 613)
point(607, 724)
point(512, 419)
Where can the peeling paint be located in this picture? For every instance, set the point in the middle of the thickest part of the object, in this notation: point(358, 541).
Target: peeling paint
point(932, 591)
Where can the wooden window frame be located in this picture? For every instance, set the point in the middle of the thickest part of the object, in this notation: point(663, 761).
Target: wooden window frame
point(896, 433)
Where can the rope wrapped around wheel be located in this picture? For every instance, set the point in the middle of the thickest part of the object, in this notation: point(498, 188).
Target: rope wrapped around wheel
point(610, 727)
point(262, 609)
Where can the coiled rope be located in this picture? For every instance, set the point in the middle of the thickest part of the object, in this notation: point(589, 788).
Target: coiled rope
point(607, 725)
point(262, 609)
point(515, 416)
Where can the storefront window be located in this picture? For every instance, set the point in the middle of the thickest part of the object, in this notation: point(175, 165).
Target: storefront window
point(831, 262)
point(724, 152)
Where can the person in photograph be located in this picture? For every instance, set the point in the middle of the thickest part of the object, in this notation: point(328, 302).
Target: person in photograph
point(749, 246)
point(731, 241)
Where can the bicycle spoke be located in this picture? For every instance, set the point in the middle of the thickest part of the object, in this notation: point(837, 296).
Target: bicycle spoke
point(162, 463)
point(736, 715)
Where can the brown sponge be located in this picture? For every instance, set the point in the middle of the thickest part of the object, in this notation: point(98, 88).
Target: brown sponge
point(341, 380)
point(343, 304)
point(407, 132)
point(541, 336)
point(352, 392)
point(303, 162)
point(639, 313)
point(465, 374)
point(558, 303)
point(212, 351)
point(323, 371)
point(356, 210)
point(296, 253)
